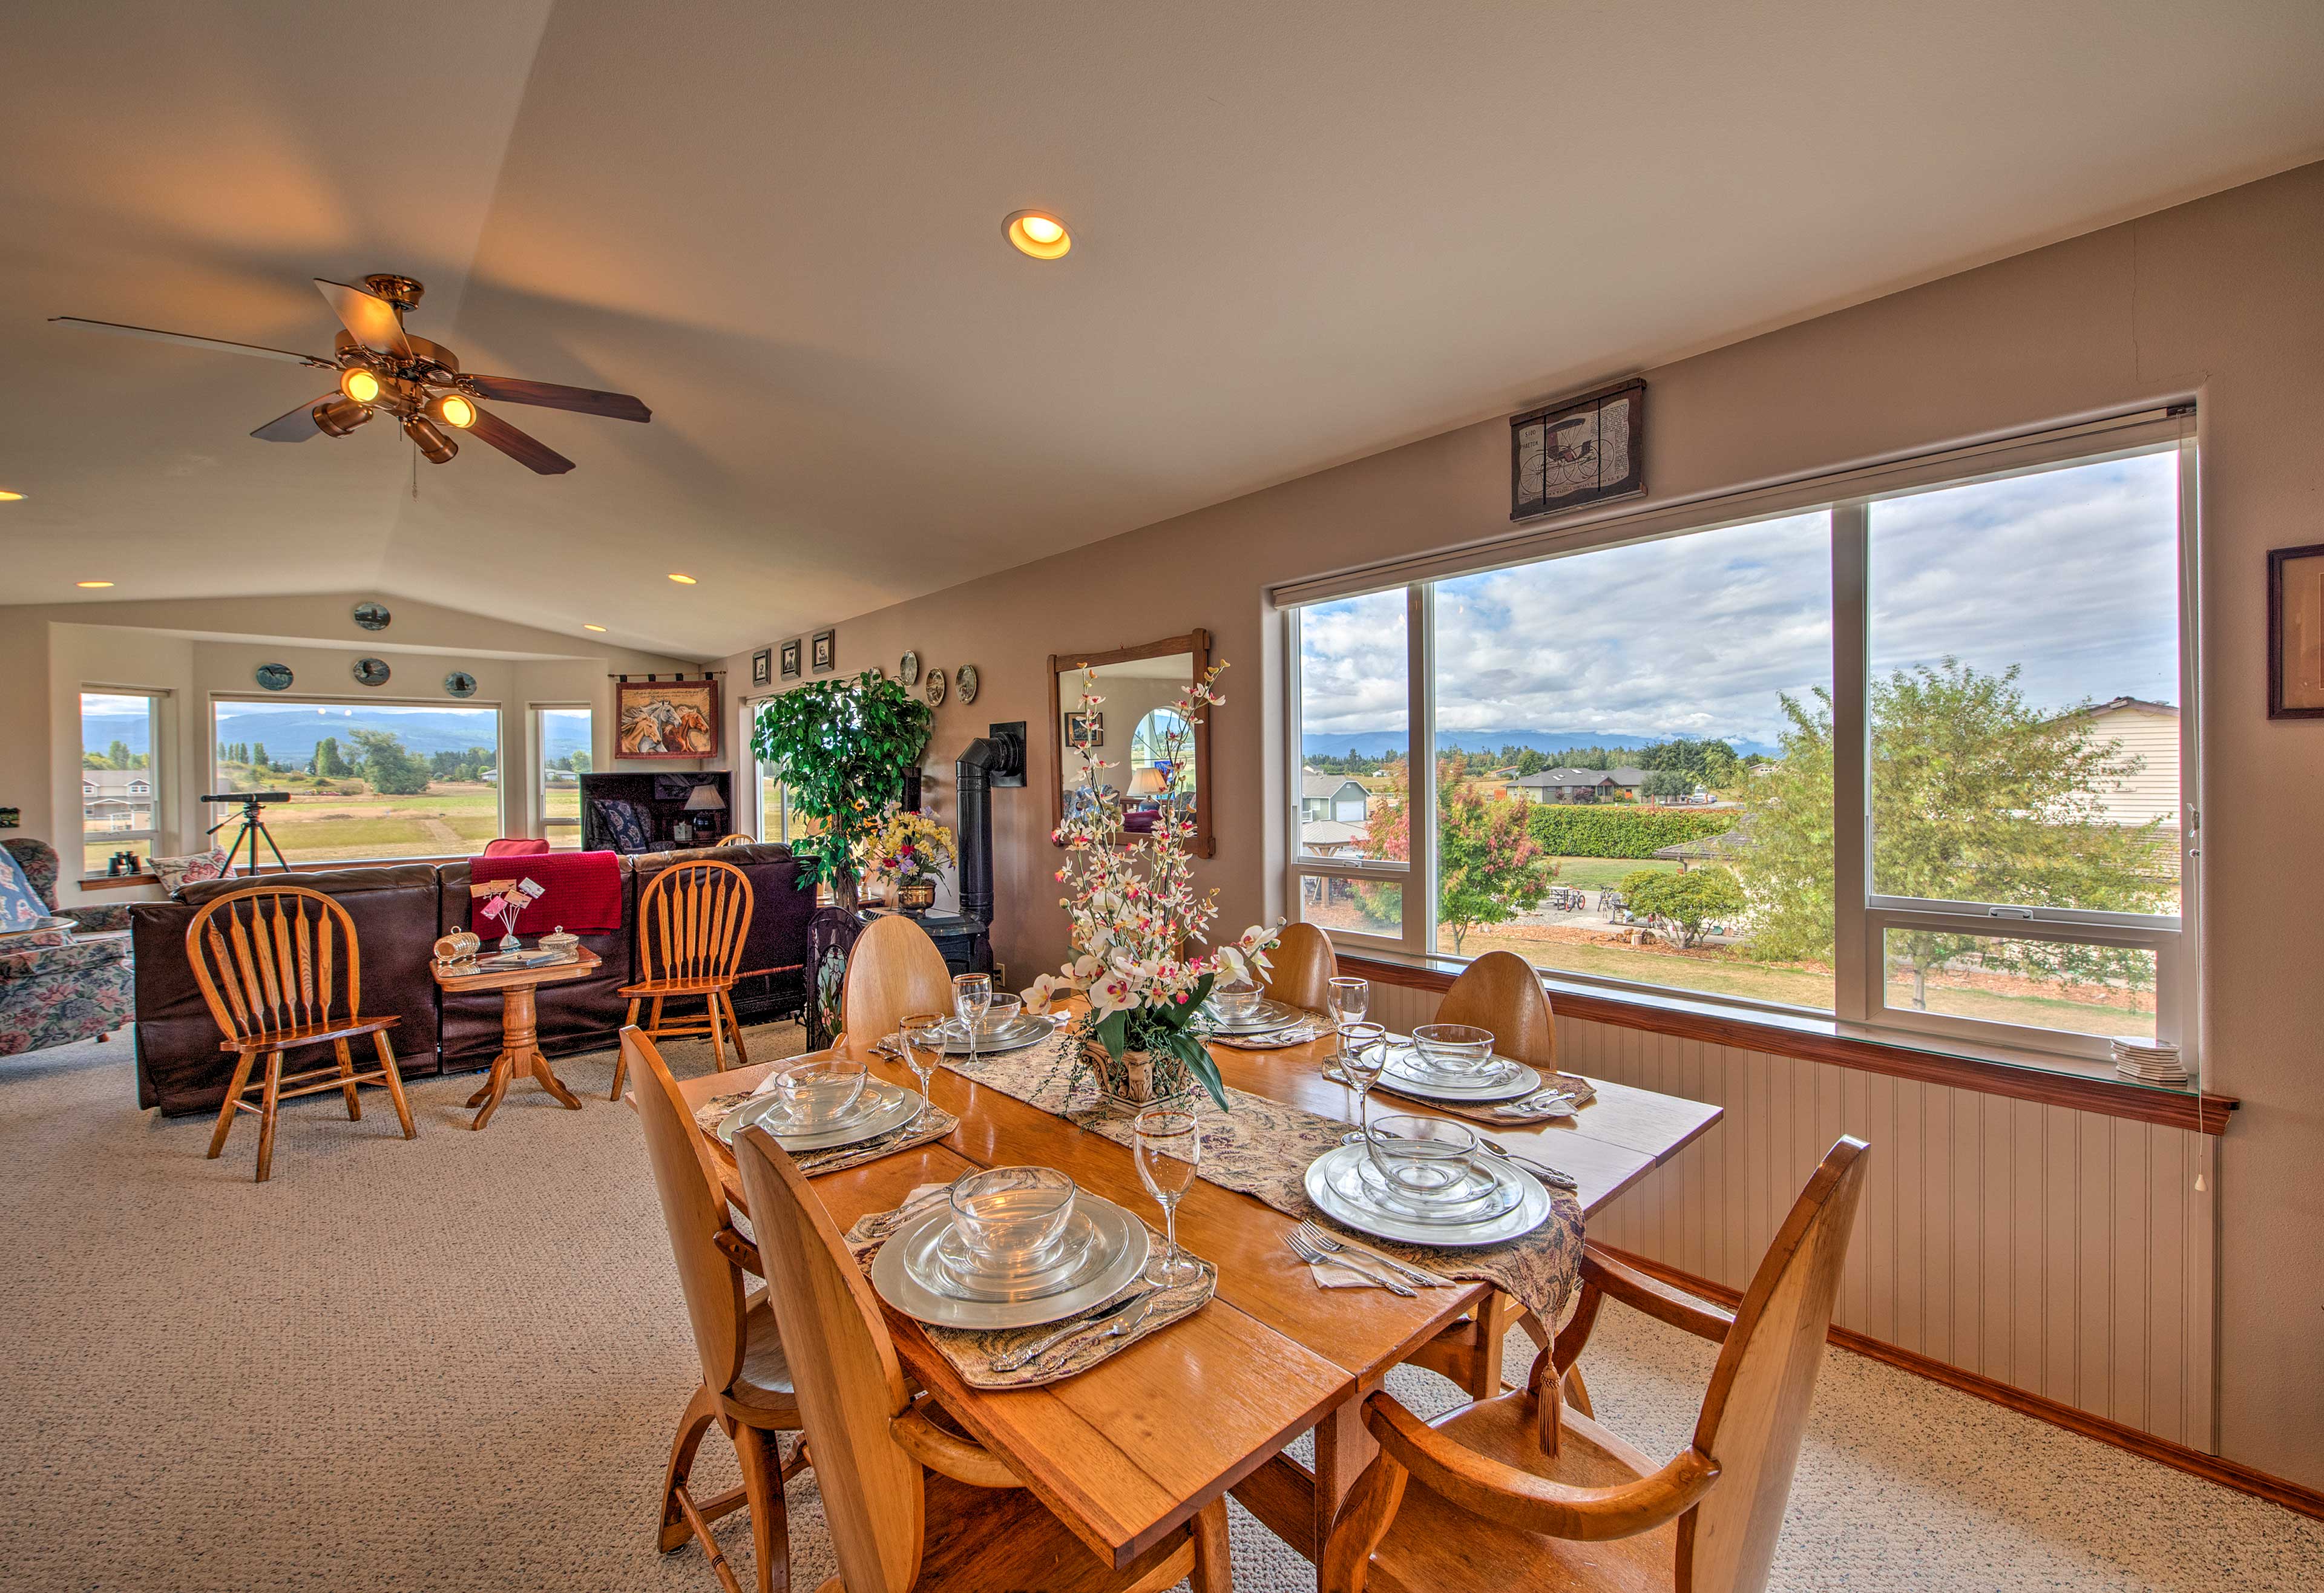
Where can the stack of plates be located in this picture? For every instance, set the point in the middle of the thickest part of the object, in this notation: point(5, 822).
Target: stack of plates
point(926, 1272)
point(2148, 1063)
point(1269, 1013)
point(882, 1106)
point(1407, 1072)
point(1012, 1034)
point(1495, 1202)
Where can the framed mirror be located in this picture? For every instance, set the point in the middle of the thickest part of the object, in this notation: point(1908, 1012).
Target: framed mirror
point(1155, 761)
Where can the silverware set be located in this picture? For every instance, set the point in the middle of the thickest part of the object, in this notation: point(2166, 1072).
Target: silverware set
point(1337, 1252)
point(1541, 1170)
point(1119, 1321)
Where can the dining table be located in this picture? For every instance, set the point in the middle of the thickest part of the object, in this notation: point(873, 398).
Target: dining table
point(1128, 1450)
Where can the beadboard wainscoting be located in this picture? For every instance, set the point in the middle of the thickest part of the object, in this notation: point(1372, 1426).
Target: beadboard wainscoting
point(2064, 1252)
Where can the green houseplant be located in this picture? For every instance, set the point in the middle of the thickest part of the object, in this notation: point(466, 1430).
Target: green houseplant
point(842, 747)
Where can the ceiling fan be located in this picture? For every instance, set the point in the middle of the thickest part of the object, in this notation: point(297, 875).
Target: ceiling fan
point(383, 368)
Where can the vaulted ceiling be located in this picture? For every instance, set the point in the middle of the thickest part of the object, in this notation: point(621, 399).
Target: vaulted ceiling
point(1303, 233)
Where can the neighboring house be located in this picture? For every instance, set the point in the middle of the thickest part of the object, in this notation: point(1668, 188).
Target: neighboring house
point(1332, 838)
point(116, 799)
point(1333, 797)
point(1633, 780)
point(1564, 785)
point(2148, 731)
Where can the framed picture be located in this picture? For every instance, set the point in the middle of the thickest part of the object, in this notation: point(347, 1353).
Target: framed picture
point(762, 666)
point(666, 718)
point(2295, 632)
point(826, 651)
point(791, 659)
point(1579, 450)
point(1086, 730)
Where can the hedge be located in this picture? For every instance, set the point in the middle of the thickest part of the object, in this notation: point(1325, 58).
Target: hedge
point(1592, 830)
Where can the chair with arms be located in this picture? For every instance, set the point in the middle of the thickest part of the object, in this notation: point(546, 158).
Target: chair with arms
point(692, 918)
point(911, 1504)
point(893, 971)
point(1520, 1492)
point(274, 966)
point(746, 1383)
point(1301, 967)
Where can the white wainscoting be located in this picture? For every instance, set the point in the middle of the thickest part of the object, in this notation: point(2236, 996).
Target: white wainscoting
point(2065, 1253)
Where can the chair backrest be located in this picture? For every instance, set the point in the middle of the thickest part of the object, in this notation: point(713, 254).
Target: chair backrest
point(844, 1370)
point(691, 920)
point(274, 960)
point(1500, 991)
point(738, 839)
point(514, 846)
point(1756, 1408)
point(1301, 967)
point(693, 1209)
point(37, 860)
point(893, 970)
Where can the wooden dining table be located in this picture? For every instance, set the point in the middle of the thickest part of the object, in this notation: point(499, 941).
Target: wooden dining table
point(1128, 1450)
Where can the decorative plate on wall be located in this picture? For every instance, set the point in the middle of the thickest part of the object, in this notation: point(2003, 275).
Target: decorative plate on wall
point(935, 688)
point(274, 676)
point(371, 671)
point(372, 616)
point(460, 683)
point(908, 670)
point(967, 680)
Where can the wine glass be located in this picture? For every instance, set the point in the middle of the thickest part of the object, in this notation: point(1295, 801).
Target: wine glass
point(1363, 1053)
point(972, 998)
point(921, 1037)
point(1170, 1150)
point(1349, 1000)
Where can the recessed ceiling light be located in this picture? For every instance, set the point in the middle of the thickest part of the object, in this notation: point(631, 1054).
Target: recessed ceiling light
point(681, 580)
point(8, 497)
point(593, 626)
point(1038, 233)
point(92, 583)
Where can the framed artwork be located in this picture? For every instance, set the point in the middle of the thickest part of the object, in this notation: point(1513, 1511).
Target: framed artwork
point(371, 671)
point(666, 718)
point(825, 644)
point(2295, 632)
point(1086, 730)
point(1579, 450)
point(791, 659)
point(762, 666)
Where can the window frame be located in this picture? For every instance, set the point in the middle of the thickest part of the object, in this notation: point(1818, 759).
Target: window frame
point(539, 726)
point(158, 832)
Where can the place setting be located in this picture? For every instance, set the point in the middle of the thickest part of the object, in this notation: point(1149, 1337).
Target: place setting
point(1242, 1015)
point(832, 1111)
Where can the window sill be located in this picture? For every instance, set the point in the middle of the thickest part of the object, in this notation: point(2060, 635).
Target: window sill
point(2021, 1075)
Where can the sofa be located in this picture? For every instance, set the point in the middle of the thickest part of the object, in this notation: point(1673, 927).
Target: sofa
point(78, 989)
point(399, 911)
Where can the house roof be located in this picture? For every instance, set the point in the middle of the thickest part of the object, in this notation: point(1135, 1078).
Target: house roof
point(1624, 774)
point(1330, 833)
point(115, 782)
point(1706, 848)
point(2131, 705)
point(1553, 778)
point(1326, 785)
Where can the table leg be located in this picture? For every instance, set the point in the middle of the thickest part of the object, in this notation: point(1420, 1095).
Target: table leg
point(520, 1037)
point(537, 1064)
point(495, 1086)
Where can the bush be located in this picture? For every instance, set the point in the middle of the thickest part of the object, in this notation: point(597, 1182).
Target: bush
point(1592, 830)
point(1692, 901)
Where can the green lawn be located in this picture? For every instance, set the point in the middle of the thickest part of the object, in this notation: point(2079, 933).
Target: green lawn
point(1606, 874)
point(446, 820)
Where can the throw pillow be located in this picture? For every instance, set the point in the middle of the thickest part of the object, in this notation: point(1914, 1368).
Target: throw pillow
point(21, 907)
point(623, 824)
point(174, 871)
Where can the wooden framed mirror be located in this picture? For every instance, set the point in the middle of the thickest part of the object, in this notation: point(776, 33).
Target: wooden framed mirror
point(1130, 730)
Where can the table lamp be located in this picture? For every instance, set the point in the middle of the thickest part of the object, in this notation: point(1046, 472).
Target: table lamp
point(1146, 784)
point(702, 802)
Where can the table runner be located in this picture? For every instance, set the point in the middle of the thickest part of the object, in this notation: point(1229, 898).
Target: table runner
point(1261, 1148)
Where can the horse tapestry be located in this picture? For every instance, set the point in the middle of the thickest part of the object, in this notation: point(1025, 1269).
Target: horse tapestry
point(667, 718)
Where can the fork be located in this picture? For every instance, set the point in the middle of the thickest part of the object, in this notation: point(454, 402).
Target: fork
point(1327, 1242)
point(1315, 1257)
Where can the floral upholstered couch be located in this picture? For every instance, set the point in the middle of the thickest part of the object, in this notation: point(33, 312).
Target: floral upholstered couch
point(74, 989)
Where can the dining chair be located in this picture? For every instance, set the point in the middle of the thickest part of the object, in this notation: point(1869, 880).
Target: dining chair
point(894, 970)
point(1519, 1491)
point(738, 839)
point(746, 1383)
point(280, 970)
point(1301, 967)
point(911, 1503)
point(692, 918)
point(1501, 991)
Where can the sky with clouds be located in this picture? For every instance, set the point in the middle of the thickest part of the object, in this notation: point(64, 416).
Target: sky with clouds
point(2071, 574)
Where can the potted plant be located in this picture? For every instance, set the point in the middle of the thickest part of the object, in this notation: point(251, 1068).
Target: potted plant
point(909, 850)
point(1134, 911)
point(842, 747)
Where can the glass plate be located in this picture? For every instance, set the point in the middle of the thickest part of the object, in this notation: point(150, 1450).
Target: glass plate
point(1528, 1214)
point(1514, 1082)
point(1269, 1013)
point(947, 1268)
point(1013, 1036)
point(1119, 1251)
point(1483, 1196)
point(881, 1107)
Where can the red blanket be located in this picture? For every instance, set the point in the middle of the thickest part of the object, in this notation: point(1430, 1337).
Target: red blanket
point(581, 890)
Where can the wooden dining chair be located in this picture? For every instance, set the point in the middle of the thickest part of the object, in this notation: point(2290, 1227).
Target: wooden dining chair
point(280, 970)
point(893, 970)
point(912, 1504)
point(1301, 968)
point(738, 839)
point(1519, 1492)
point(691, 920)
point(1501, 991)
point(746, 1383)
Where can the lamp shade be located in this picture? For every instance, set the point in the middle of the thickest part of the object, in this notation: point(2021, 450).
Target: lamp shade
point(1148, 782)
point(705, 799)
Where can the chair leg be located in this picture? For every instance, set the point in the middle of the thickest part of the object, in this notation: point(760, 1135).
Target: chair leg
point(1577, 1392)
point(734, 1027)
point(717, 1030)
point(700, 1412)
point(394, 1081)
point(267, 1104)
point(242, 1064)
point(770, 1531)
point(347, 1072)
point(621, 1063)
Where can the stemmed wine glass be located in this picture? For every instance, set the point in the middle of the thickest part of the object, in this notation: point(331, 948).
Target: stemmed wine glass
point(1170, 1150)
point(1349, 999)
point(921, 1037)
point(1363, 1053)
point(972, 998)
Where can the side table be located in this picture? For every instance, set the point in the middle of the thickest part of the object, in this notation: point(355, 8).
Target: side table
point(520, 1025)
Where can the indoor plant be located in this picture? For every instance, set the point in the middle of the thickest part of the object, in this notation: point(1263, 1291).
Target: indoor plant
point(909, 850)
point(842, 747)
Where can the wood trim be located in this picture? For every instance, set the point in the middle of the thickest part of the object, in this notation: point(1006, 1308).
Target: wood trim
point(1816, 1040)
point(2245, 1479)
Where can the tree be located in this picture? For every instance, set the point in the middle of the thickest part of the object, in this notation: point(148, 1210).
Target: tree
point(578, 762)
point(1692, 901)
point(1530, 761)
point(327, 761)
point(841, 748)
point(116, 754)
point(392, 771)
point(258, 757)
point(1664, 783)
point(1489, 866)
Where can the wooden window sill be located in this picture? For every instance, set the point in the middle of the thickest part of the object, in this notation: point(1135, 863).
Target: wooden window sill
point(2022, 1076)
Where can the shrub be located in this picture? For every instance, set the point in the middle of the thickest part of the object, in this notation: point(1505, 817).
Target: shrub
point(1593, 830)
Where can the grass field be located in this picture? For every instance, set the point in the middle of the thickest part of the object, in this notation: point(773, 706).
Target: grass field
point(1607, 874)
point(448, 819)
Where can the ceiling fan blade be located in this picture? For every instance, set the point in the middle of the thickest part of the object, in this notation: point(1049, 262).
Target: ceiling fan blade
point(586, 400)
point(297, 426)
point(372, 319)
point(191, 341)
point(527, 451)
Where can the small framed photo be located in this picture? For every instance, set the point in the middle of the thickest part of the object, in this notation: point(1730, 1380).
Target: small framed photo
point(1086, 730)
point(791, 659)
point(826, 651)
point(762, 666)
point(2295, 632)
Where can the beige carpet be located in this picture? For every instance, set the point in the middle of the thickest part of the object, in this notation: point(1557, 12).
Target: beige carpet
point(454, 1363)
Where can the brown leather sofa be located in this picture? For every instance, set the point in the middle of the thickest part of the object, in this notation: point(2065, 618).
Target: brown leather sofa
point(399, 911)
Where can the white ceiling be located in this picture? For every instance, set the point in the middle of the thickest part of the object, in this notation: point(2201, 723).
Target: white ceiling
point(1303, 232)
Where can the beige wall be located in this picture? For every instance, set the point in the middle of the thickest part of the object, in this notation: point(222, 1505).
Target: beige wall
point(2223, 299)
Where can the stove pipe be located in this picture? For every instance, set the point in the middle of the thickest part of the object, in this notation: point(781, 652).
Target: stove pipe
point(972, 790)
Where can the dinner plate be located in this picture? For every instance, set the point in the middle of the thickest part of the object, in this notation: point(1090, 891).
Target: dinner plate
point(1269, 1013)
point(1400, 1076)
point(1484, 1193)
point(1119, 1244)
point(947, 1268)
point(1530, 1212)
point(882, 1106)
point(1013, 1036)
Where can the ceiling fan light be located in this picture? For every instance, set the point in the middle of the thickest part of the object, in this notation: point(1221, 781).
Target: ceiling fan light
point(453, 410)
point(359, 384)
point(433, 445)
point(1038, 233)
point(338, 416)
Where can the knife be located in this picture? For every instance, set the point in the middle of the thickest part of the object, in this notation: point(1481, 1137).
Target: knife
point(1035, 1351)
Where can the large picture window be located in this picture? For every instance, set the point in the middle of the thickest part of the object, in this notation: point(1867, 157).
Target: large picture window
point(364, 780)
point(121, 800)
point(1913, 756)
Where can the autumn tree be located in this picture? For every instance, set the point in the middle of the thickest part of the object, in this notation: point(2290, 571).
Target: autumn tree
point(1489, 866)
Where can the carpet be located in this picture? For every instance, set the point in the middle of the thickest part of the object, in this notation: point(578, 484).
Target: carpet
point(456, 1363)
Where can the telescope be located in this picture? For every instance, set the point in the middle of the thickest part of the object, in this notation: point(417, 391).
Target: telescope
point(254, 825)
point(248, 798)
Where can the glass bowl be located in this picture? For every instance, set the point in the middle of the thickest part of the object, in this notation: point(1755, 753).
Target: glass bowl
point(1236, 1000)
point(1007, 1008)
point(1421, 1155)
point(1459, 1049)
point(820, 1091)
point(1012, 1219)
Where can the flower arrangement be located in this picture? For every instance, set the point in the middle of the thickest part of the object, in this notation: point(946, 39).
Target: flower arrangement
point(906, 847)
point(1134, 909)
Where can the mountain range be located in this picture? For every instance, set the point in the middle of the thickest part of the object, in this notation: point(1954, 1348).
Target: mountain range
point(1374, 744)
point(290, 734)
